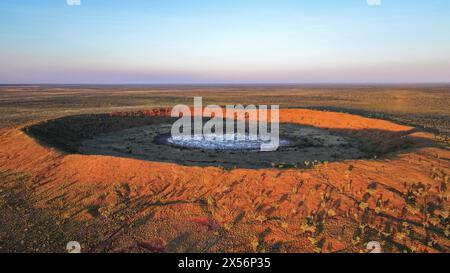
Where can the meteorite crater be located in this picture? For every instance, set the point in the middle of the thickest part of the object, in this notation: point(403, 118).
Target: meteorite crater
point(146, 136)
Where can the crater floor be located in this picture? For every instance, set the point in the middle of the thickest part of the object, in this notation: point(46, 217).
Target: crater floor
point(299, 144)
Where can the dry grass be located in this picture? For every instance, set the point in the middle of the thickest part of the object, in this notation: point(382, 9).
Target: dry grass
point(328, 205)
point(423, 106)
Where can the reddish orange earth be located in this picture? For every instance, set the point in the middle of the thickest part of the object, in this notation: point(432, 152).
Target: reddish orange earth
point(400, 199)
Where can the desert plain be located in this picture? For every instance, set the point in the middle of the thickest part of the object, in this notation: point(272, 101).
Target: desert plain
point(385, 181)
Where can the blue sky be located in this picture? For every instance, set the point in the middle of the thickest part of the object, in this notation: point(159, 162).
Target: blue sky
point(224, 41)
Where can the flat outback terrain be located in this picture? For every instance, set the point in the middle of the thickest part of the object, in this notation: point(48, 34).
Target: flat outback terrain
point(90, 164)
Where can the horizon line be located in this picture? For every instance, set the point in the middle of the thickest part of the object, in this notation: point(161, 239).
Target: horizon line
point(229, 84)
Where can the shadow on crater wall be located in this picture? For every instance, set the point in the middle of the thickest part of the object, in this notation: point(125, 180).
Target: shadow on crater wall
point(134, 136)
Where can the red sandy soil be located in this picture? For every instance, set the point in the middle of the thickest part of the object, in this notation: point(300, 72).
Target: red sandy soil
point(399, 199)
